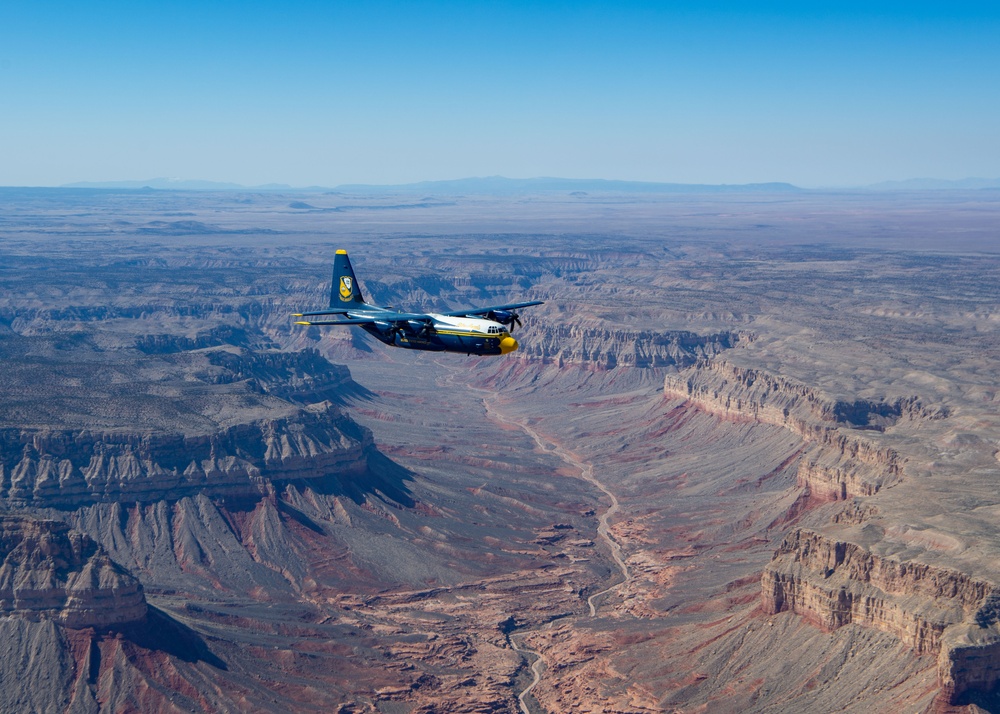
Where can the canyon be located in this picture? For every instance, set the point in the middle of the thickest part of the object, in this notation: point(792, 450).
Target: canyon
point(743, 461)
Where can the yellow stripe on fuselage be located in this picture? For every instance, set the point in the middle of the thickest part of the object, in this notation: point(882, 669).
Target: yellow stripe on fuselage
point(482, 335)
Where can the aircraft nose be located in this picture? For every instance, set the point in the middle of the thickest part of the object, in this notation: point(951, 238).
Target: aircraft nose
point(507, 344)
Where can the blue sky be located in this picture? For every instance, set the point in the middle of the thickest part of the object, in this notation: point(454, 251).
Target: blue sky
point(323, 93)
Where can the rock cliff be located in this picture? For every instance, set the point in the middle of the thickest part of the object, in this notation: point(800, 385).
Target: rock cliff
point(67, 469)
point(843, 458)
point(609, 348)
point(836, 583)
point(839, 571)
point(934, 610)
point(223, 421)
point(50, 572)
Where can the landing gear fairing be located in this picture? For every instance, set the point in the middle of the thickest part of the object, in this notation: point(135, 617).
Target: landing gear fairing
point(476, 331)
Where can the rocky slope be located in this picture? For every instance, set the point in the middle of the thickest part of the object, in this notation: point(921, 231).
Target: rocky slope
point(609, 348)
point(840, 462)
point(61, 468)
point(50, 572)
point(841, 570)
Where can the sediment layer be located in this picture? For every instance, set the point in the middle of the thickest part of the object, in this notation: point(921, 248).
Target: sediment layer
point(62, 468)
point(842, 459)
point(51, 572)
point(569, 344)
point(934, 610)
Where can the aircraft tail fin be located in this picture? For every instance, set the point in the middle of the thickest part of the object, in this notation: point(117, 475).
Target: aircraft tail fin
point(345, 291)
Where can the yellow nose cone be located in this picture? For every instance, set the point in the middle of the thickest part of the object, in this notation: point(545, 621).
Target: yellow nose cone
point(507, 344)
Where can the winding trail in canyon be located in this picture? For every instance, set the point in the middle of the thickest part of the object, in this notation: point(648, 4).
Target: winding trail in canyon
point(536, 671)
point(586, 471)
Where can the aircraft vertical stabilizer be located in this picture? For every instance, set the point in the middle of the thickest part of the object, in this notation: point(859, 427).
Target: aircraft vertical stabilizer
point(345, 291)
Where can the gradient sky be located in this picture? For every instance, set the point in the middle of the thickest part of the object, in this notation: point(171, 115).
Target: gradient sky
point(324, 93)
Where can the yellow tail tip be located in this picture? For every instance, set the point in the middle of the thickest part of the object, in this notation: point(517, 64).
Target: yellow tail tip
point(341, 252)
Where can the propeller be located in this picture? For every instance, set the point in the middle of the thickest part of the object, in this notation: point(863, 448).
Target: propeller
point(391, 330)
point(426, 328)
point(505, 317)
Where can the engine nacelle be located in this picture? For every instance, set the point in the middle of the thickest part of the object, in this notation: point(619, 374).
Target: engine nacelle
point(420, 328)
point(504, 317)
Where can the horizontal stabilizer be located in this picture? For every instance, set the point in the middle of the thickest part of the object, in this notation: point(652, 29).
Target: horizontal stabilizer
point(338, 311)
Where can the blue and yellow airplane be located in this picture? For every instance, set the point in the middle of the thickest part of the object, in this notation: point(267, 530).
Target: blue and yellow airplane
point(476, 331)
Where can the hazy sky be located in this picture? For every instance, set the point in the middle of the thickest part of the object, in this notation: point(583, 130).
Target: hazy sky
point(325, 93)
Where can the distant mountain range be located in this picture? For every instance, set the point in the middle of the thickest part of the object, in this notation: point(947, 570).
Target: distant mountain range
point(485, 185)
point(172, 184)
point(928, 184)
point(500, 185)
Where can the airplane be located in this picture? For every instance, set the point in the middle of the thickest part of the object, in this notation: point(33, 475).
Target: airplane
point(476, 331)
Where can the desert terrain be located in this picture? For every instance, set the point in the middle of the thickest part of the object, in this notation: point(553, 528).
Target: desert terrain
point(746, 459)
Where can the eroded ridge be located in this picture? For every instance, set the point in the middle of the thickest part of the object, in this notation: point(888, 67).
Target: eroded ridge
point(50, 572)
point(63, 468)
point(838, 464)
point(609, 348)
point(934, 610)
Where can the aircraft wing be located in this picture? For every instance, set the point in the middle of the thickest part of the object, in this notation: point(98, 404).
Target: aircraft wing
point(386, 317)
point(491, 308)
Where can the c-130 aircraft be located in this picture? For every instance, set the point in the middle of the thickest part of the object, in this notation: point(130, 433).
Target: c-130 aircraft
point(476, 331)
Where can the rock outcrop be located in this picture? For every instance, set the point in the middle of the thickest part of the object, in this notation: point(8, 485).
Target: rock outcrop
point(837, 574)
point(50, 572)
point(569, 344)
point(835, 583)
point(843, 457)
point(934, 610)
point(67, 469)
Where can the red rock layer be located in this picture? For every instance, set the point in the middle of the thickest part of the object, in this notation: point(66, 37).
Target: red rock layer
point(52, 572)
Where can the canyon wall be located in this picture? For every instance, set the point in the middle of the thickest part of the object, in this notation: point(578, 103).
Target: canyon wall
point(836, 583)
point(223, 421)
point(843, 457)
point(67, 469)
point(50, 572)
point(829, 574)
point(934, 610)
point(623, 347)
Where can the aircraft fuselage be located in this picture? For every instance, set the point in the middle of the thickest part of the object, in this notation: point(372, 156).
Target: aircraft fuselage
point(466, 335)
